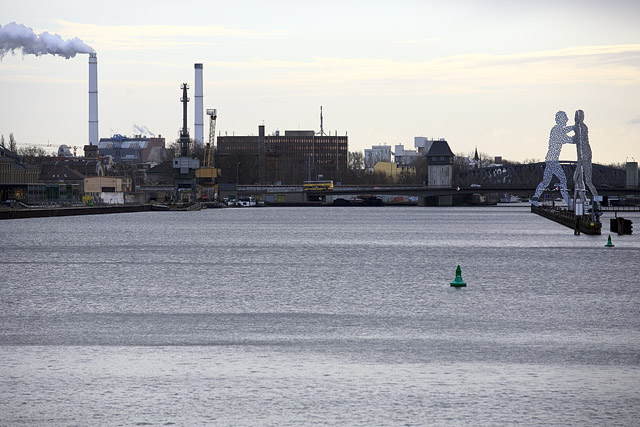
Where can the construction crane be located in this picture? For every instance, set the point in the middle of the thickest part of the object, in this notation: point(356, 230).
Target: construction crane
point(207, 175)
point(208, 160)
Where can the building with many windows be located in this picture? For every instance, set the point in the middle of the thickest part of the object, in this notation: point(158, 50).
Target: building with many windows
point(15, 176)
point(291, 158)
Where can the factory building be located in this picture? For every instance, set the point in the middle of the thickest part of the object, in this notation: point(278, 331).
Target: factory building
point(15, 176)
point(289, 159)
point(137, 149)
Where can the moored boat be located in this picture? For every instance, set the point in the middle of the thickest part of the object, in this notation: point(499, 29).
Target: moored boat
point(509, 198)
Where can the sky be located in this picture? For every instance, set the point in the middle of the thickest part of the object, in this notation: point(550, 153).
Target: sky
point(488, 74)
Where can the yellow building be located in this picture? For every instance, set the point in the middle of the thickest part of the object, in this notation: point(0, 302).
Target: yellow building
point(206, 178)
point(95, 185)
point(388, 169)
point(394, 170)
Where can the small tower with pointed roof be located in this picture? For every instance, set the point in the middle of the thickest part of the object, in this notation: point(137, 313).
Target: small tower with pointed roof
point(440, 165)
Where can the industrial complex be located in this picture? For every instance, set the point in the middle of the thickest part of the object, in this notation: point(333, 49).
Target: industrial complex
point(295, 166)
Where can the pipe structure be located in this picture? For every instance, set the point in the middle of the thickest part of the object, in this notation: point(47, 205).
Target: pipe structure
point(93, 99)
point(198, 118)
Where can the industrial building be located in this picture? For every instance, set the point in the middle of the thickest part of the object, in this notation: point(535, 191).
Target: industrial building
point(137, 149)
point(107, 189)
point(15, 176)
point(296, 156)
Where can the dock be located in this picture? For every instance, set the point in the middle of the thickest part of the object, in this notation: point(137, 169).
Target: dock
point(579, 223)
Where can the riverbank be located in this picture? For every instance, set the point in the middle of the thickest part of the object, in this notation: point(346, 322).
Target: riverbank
point(40, 212)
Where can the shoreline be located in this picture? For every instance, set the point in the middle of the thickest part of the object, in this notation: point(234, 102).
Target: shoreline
point(70, 211)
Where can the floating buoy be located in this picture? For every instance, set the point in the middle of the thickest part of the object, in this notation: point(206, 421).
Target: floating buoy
point(609, 244)
point(458, 282)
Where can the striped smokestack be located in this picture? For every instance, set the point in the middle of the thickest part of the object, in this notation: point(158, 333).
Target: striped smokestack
point(198, 120)
point(93, 99)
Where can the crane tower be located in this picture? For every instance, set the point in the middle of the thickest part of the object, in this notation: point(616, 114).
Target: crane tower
point(210, 147)
point(207, 175)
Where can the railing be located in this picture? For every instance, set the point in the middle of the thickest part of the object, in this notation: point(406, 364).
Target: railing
point(620, 208)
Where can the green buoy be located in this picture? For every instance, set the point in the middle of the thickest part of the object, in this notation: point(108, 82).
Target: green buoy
point(609, 244)
point(458, 282)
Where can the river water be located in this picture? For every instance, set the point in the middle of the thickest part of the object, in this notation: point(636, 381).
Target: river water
point(317, 316)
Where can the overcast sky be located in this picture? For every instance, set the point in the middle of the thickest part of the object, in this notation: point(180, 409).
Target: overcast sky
point(490, 74)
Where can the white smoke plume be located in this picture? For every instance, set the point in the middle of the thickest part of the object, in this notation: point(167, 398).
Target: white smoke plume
point(143, 130)
point(17, 36)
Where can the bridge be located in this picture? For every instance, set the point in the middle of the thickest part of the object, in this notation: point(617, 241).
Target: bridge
point(519, 180)
point(531, 174)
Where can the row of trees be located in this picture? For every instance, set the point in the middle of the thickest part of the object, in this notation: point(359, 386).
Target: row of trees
point(29, 151)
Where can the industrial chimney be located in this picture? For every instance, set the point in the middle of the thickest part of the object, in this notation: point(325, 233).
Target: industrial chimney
point(198, 120)
point(93, 99)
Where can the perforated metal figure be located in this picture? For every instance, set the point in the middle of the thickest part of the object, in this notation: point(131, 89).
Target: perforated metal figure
point(557, 137)
point(583, 173)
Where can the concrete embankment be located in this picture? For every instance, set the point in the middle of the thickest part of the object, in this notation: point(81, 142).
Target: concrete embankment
point(70, 211)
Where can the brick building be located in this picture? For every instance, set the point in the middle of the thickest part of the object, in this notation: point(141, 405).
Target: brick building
point(15, 176)
point(289, 159)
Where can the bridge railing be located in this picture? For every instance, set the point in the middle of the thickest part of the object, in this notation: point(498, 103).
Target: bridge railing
point(529, 175)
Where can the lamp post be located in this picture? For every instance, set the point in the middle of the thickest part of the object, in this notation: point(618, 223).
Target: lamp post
point(237, 181)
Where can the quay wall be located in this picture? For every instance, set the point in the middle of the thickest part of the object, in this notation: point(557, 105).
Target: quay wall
point(70, 211)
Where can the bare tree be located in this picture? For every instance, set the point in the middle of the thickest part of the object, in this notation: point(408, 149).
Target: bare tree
point(2, 141)
point(32, 151)
point(355, 160)
point(13, 145)
point(531, 160)
point(174, 147)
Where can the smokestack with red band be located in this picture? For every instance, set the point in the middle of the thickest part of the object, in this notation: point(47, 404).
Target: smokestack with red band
point(93, 99)
point(198, 121)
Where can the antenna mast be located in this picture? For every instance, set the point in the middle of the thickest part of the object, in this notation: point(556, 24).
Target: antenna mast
point(321, 123)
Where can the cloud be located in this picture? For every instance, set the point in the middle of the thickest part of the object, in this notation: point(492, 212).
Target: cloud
point(428, 40)
point(471, 73)
point(635, 121)
point(145, 37)
point(466, 73)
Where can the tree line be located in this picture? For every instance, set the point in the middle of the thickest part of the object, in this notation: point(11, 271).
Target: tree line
point(28, 151)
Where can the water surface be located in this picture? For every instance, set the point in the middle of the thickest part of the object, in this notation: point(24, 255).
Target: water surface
point(338, 316)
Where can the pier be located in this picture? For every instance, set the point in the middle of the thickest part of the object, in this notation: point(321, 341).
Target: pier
point(579, 223)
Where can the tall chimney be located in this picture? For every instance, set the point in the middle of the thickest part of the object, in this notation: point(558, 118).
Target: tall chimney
point(198, 118)
point(93, 99)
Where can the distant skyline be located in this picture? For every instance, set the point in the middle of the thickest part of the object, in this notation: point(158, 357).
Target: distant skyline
point(486, 74)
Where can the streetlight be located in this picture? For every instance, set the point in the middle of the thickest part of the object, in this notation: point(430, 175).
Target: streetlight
point(237, 181)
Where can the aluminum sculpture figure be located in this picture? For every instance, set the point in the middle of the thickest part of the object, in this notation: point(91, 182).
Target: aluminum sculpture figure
point(557, 137)
point(583, 173)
